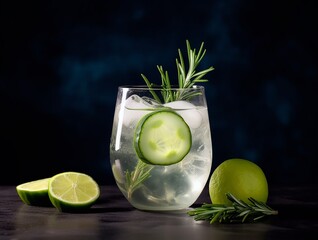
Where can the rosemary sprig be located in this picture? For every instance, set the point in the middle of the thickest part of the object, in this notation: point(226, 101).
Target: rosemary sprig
point(187, 77)
point(240, 211)
point(135, 178)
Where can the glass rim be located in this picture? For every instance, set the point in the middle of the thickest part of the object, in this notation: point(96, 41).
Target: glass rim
point(159, 87)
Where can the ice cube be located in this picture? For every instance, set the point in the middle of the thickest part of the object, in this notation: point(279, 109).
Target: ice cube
point(188, 111)
point(135, 107)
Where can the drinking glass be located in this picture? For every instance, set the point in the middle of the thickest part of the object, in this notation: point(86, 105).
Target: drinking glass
point(156, 187)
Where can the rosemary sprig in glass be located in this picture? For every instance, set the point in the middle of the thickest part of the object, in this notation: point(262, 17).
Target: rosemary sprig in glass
point(136, 177)
point(187, 78)
point(240, 211)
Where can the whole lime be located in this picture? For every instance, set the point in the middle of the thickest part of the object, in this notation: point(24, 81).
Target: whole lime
point(241, 178)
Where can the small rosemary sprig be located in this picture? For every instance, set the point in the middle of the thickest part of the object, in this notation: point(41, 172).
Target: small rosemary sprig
point(187, 77)
point(240, 211)
point(135, 178)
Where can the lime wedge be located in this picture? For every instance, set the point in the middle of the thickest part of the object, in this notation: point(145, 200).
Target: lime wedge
point(162, 138)
point(35, 192)
point(73, 191)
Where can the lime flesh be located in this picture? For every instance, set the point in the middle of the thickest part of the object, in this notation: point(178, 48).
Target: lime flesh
point(73, 191)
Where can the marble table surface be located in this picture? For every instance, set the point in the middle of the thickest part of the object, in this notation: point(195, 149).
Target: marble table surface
point(112, 217)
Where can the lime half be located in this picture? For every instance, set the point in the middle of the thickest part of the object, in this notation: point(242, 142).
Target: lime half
point(35, 192)
point(162, 138)
point(73, 191)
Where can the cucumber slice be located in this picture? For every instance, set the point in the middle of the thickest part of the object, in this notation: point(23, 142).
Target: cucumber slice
point(162, 138)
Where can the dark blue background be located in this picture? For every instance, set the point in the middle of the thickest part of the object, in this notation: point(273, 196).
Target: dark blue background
point(62, 61)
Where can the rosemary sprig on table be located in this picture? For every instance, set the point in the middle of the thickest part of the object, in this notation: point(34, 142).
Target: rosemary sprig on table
point(240, 211)
point(187, 77)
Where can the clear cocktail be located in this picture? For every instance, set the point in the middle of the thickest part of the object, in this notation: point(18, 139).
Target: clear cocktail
point(161, 153)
